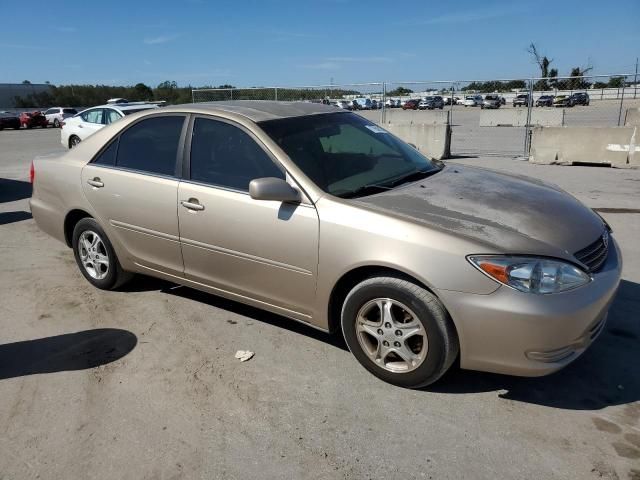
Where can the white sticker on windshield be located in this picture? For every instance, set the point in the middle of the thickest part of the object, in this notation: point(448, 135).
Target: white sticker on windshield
point(376, 129)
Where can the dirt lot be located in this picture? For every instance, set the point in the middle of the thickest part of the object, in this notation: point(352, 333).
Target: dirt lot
point(142, 383)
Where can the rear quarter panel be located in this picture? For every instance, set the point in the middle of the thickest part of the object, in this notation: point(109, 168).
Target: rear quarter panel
point(56, 191)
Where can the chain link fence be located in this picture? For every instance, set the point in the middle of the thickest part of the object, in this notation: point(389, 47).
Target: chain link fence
point(487, 117)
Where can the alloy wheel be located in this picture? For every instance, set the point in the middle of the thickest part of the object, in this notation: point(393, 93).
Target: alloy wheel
point(391, 335)
point(93, 255)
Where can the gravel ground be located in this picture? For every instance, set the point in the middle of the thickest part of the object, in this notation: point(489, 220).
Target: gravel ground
point(143, 383)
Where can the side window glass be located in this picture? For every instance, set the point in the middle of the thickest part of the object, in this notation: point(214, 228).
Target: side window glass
point(224, 155)
point(93, 116)
point(151, 145)
point(112, 116)
point(108, 155)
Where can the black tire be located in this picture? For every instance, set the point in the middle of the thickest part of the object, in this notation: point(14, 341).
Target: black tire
point(56, 123)
point(442, 338)
point(115, 276)
point(73, 141)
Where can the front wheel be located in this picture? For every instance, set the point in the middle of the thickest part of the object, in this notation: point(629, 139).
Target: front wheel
point(399, 331)
point(56, 123)
point(74, 141)
point(95, 256)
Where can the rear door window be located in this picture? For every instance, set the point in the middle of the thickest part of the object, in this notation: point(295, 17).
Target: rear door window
point(151, 145)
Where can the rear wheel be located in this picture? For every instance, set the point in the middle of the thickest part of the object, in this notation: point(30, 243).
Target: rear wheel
point(74, 141)
point(56, 123)
point(95, 256)
point(399, 331)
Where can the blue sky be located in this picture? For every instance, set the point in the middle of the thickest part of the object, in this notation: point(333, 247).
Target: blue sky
point(284, 42)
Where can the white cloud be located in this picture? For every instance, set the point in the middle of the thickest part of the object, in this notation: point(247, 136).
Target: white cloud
point(323, 66)
point(471, 16)
point(360, 59)
point(161, 39)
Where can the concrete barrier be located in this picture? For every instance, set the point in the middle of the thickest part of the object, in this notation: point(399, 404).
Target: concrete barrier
point(399, 116)
point(432, 140)
point(615, 146)
point(632, 117)
point(517, 117)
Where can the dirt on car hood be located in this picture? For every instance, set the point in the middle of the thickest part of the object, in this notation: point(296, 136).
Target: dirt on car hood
point(510, 213)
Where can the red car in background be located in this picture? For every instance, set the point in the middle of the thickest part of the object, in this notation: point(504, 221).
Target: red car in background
point(33, 119)
point(411, 105)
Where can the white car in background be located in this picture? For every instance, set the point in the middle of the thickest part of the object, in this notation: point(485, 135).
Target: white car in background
point(80, 126)
point(472, 100)
point(56, 115)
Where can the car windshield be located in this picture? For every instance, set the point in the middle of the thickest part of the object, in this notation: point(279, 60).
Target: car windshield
point(346, 155)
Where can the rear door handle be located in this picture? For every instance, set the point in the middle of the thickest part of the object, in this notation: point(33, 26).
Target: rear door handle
point(95, 183)
point(192, 204)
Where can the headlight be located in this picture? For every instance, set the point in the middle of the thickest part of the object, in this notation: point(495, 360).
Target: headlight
point(531, 274)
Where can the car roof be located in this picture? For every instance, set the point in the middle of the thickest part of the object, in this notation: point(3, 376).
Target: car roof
point(256, 110)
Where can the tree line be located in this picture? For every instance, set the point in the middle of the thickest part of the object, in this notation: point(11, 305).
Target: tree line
point(88, 95)
point(168, 91)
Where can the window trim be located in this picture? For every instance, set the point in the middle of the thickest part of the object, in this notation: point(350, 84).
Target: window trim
point(177, 174)
point(186, 169)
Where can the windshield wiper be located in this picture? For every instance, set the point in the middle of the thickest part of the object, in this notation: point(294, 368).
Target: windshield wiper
point(412, 176)
point(364, 190)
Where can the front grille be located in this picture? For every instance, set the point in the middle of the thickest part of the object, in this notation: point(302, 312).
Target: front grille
point(594, 255)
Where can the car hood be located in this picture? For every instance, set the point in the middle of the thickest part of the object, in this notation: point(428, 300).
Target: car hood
point(506, 213)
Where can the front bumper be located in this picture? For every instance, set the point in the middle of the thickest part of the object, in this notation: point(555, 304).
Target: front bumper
point(518, 333)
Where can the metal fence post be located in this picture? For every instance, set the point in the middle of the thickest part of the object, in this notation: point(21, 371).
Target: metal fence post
point(621, 102)
point(193, 96)
point(451, 105)
point(383, 114)
point(275, 93)
point(527, 129)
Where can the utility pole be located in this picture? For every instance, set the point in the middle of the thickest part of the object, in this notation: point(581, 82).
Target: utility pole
point(635, 80)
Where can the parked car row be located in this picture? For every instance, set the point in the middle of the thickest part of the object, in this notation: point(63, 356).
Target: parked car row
point(578, 98)
point(53, 116)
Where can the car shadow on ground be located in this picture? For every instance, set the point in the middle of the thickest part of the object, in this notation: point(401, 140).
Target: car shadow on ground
point(67, 352)
point(12, 190)
point(12, 217)
point(605, 375)
point(143, 283)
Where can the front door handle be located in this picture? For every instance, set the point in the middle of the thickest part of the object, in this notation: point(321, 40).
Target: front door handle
point(192, 204)
point(96, 182)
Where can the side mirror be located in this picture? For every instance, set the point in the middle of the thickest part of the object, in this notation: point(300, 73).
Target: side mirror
point(270, 188)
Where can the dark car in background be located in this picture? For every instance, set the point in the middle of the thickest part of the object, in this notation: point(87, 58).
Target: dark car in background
point(9, 120)
point(521, 100)
point(33, 119)
point(431, 102)
point(411, 104)
point(580, 98)
point(545, 101)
